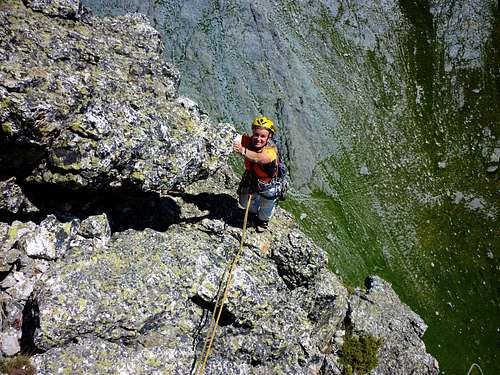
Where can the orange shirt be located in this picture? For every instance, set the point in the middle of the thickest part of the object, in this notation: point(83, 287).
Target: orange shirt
point(264, 172)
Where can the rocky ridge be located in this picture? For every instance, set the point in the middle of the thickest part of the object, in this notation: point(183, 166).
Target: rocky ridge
point(96, 285)
point(66, 84)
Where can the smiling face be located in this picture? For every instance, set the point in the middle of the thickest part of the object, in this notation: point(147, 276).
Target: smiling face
point(259, 137)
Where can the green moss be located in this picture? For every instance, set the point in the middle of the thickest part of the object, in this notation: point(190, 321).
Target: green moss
point(7, 128)
point(76, 127)
point(359, 353)
point(5, 103)
point(153, 362)
point(21, 364)
point(12, 233)
point(138, 176)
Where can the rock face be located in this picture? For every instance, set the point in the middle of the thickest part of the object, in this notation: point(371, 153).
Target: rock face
point(379, 312)
point(87, 299)
point(138, 302)
point(92, 105)
point(144, 296)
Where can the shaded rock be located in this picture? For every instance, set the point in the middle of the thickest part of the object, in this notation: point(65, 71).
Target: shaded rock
point(95, 227)
point(94, 105)
point(12, 198)
point(380, 313)
point(26, 249)
point(9, 236)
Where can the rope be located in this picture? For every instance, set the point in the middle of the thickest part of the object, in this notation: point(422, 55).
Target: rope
point(475, 365)
point(207, 347)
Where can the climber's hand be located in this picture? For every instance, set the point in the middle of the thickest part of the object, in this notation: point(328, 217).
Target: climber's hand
point(237, 147)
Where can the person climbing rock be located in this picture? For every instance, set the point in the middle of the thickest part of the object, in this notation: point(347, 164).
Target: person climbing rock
point(261, 166)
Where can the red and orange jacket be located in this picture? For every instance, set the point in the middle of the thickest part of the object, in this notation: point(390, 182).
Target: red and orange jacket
point(263, 172)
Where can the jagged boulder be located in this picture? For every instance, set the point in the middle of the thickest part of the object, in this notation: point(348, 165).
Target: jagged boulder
point(150, 291)
point(91, 104)
point(12, 198)
point(139, 302)
point(27, 251)
point(379, 312)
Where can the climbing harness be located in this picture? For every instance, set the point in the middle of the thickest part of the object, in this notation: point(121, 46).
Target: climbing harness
point(221, 299)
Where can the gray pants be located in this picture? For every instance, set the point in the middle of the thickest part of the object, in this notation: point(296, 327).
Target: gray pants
point(263, 207)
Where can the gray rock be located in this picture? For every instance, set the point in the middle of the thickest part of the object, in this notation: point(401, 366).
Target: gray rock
point(10, 342)
point(379, 312)
point(96, 227)
point(297, 258)
point(188, 104)
point(63, 8)
point(25, 252)
point(49, 240)
point(139, 302)
point(94, 105)
point(363, 170)
point(495, 155)
point(9, 236)
point(18, 285)
point(11, 323)
point(12, 198)
point(12, 313)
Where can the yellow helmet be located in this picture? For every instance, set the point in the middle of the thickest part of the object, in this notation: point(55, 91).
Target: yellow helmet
point(265, 123)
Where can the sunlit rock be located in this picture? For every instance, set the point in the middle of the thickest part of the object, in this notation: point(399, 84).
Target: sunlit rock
point(94, 105)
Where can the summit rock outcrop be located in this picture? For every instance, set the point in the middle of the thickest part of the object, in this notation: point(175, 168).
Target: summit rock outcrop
point(118, 219)
point(91, 104)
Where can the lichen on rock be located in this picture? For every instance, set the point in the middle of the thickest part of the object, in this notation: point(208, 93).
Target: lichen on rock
point(93, 104)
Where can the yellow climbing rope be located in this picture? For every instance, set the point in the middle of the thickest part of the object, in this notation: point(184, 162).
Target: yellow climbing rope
point(221, 299)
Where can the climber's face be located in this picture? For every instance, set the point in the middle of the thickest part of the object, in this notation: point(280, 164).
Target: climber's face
point(259, 137)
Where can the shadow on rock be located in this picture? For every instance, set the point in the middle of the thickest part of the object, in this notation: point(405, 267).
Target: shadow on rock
point(125, 210)
point(30, 323)
point(220, 206)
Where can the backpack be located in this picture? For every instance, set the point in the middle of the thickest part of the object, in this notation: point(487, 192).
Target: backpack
point(281, 180)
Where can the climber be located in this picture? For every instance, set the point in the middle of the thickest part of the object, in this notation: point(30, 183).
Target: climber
point(261, 166)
